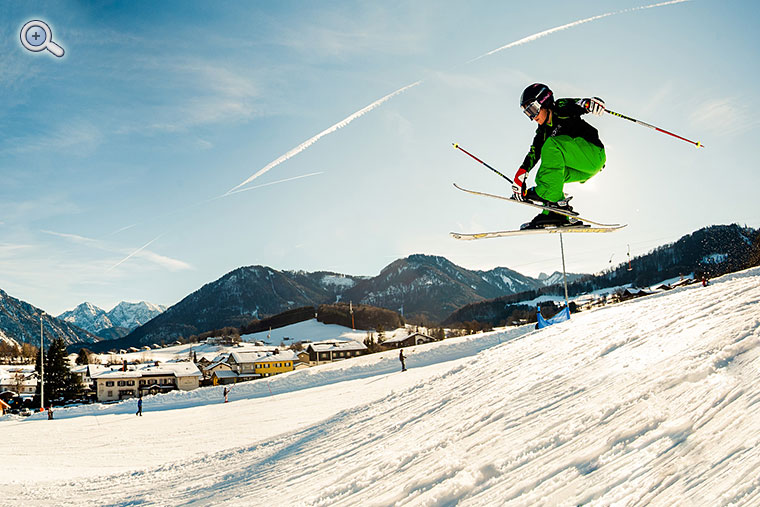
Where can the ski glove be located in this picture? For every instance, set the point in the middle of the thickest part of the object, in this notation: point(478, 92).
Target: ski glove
point(594, 105)
point(518, 187)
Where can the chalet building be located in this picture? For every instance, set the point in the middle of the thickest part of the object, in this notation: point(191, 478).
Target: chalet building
point(243, 366)
point(131, 381)
point(329, 351)
point(223, 377)
point(243, 363)
point(279, 362)
point(219, 366)
point(407, 341)
point(633, 293)
point(223, 340)
point(19, 381)
point(82, 372)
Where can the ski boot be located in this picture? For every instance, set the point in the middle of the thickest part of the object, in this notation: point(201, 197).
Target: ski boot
point(551, 220)
point(564, 204)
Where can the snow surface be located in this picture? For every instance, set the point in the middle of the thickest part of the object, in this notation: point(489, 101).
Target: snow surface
point(338, 280)
point(312, 330)
point(653, 401)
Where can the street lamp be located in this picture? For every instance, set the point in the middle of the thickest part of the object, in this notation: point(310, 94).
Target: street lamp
point(42, 367)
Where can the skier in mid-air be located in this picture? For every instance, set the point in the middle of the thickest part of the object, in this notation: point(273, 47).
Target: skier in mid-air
point(568, 147)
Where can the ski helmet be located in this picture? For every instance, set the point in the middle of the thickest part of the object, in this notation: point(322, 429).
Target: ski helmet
point(534, 97)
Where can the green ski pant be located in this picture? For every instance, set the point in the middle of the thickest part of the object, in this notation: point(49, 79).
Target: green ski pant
point(566, 159)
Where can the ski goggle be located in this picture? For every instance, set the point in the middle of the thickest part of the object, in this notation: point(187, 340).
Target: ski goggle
point(532, 109)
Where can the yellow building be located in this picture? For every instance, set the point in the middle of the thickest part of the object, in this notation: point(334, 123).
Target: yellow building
point(279, 362)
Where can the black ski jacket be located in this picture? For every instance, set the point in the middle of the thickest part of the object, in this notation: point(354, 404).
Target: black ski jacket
point(566, 121)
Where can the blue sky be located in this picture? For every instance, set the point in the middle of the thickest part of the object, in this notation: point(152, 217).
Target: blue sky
point(117, 159)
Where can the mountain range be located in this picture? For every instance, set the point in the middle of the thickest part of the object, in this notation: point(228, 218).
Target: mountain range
point(708, 252)
point(116, 323)
point(20, 322)
point(423, 288)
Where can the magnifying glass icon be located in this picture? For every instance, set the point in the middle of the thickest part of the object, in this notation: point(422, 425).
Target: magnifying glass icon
point(37, 36)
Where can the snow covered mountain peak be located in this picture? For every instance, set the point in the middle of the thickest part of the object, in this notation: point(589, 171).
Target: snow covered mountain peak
point(127, 315)
point(88, 317)
point(132, 315)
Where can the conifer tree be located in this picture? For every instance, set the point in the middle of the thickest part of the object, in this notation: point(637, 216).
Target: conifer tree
point(59, 382)
point(84, 356)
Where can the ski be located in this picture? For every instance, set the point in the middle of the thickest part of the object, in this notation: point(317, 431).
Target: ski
point(548, 230)
point(547, 208)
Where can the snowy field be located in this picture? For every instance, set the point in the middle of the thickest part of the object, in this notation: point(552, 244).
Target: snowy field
point(310, 330)
point(654, 401)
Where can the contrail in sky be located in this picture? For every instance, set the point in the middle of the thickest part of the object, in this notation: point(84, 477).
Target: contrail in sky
point(233, 191)
point(134, 253)
point(298, 149)
point(531, 38)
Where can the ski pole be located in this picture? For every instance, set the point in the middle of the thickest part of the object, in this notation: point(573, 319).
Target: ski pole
point(634, 120)
point(476, 158)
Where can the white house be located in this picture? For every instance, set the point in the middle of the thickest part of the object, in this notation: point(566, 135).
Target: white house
point(130, 381)
point(21, 380)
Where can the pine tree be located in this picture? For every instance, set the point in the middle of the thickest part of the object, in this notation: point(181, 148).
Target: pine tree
point(59, 382)
point(84, 356)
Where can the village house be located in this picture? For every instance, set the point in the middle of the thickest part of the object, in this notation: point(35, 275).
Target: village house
point(131, 381)
point(278, 362)
point(243, 363)
point(244, 366)
point(219, 372)
point(82, 372)
point(334, 350)
point(223, 377)
point(407, 341)
point(223, 340)
point(303, 359)
point(20, 380)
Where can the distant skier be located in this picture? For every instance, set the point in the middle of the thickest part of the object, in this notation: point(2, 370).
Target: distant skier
point(139, 407)
point(569, 149)
point(226, 392)
point(50, 412)
point(402, 358)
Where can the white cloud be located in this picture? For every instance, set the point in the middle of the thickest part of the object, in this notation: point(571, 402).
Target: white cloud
point(723, 115)
point(209, 94)
point(79, 137)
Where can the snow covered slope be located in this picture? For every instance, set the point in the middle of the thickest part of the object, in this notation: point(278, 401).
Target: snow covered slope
point(655, 401)
point(312, 330)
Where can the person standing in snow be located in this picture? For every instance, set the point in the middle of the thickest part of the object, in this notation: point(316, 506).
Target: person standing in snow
point(402, 358)
point(568, 147)
point(139, 407)
point(226, 392)
point(50, 412)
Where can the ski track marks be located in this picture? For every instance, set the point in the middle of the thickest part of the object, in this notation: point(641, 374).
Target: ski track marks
point(654, 401)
